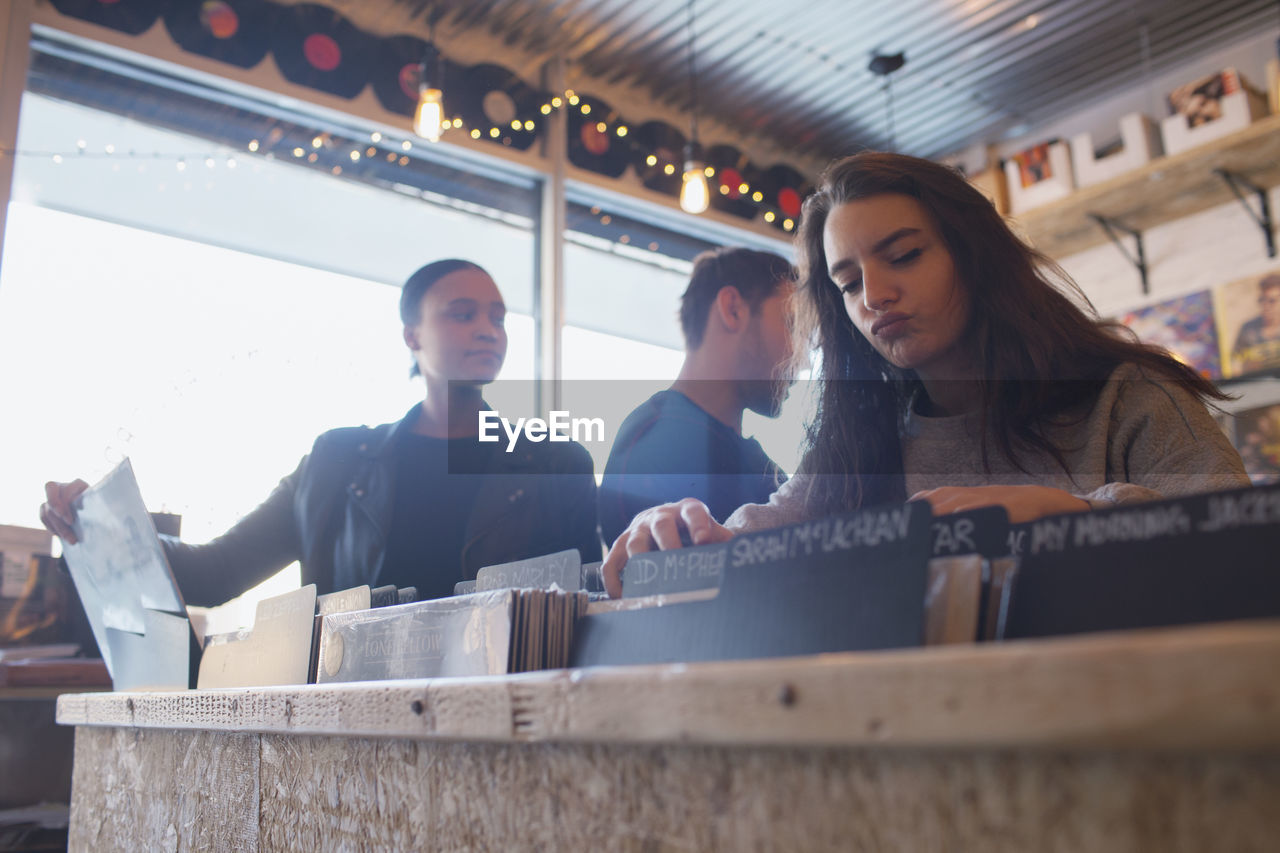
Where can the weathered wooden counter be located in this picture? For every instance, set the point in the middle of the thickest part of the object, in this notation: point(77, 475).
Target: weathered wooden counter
point(1159, 740)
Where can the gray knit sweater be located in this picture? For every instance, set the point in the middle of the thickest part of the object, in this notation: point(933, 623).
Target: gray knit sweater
point(1142, 439)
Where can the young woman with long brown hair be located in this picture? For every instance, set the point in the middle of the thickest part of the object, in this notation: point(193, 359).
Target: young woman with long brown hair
point(962, 367)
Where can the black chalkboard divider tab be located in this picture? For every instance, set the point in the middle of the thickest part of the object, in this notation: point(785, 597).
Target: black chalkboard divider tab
point(1201, 558)
point(679, 570)
point(562, 569)
point(849, 582)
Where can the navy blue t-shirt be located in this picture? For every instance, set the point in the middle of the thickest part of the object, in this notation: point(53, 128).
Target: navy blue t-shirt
point(669, 449)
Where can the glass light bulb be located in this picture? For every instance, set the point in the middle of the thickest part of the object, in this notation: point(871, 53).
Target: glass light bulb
point(429, 116)
point(695, 195)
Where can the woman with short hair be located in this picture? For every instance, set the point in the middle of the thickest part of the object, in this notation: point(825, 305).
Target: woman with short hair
point(420, 502)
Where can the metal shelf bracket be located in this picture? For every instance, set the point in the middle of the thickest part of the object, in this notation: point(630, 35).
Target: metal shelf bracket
point(1113, 229)
point(1239, 185)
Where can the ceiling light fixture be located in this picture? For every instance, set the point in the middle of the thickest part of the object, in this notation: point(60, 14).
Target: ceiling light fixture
point(428, 118)
point(695, 195)
point(883, 65)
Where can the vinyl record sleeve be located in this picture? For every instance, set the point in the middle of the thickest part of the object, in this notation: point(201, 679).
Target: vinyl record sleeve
point(1257, 437)
point(1185, 327)
point(118, 565)
point(1248, 319)
point(456, 636)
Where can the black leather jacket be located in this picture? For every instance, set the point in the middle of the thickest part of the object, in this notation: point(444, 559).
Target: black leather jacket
point(333, 514)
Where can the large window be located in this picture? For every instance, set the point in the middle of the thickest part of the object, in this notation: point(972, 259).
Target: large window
point(204, 279)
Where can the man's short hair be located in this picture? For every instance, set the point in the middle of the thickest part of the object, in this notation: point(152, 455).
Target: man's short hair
point(1269, 282)
point(754, 273)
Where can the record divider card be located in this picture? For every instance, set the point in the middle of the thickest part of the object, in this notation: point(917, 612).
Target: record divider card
point(1203, 558)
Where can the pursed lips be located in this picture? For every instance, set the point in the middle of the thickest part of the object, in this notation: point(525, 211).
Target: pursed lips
point(890, 325)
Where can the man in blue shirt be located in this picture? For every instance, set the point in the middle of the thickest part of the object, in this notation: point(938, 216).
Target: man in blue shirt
point(687, 441)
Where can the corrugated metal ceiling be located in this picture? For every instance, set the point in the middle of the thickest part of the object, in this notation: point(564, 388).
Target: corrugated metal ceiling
point(796, 73)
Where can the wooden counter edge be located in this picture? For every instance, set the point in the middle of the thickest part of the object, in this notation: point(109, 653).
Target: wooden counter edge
point(1193, 688)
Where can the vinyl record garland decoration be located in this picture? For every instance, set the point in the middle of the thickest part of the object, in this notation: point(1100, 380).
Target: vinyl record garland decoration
point(236, 32)
point(593, 141)
point(316, 47)
point(395, 71)
point(656, 154)
point(783, 190)
point(133, 17)
point(494, 101)
point(733, 172)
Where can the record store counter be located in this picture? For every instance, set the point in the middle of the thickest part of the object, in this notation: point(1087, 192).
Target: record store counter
point(1156, 740)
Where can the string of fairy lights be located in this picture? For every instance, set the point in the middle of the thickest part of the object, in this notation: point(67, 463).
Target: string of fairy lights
point(188, 162)
point(570, 99)
point(397, 153)
point(669, 166)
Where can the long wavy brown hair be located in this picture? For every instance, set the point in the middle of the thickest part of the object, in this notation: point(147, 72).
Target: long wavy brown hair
point(1041, 348)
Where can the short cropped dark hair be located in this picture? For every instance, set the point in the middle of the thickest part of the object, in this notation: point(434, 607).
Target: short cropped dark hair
point(417, 286)
point(420, 282)
point(754, 273)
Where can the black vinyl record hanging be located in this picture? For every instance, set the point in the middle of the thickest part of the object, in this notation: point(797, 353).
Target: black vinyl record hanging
point(237, 32)
point(594, 143)
point(133, 17)
point(784, 190)
point(396, 70)
point(731, 184)
point(494, 101)
point(657, 155)
point(316, 47)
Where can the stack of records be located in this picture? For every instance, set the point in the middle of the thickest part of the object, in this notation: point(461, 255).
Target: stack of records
point(494, 632)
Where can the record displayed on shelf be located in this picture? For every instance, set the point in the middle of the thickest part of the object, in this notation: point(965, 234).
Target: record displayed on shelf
point(1185, 327)
point(133, 17)
point(784, 190)
point(396, 69)
point(316, 47)
point(1248, 313)
point(665, 145)
point(733, 172)
point(1257, 437)
point(489, 97)
point(1033, 164)
point(237, 32)
point(1200, 101)
point(594, 143)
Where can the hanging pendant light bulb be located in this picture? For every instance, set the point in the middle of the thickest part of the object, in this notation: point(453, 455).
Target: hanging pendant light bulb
point(695, 195)
point(428, 118)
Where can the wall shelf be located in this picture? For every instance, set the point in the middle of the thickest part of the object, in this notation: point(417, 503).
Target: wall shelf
point(1165, 189)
